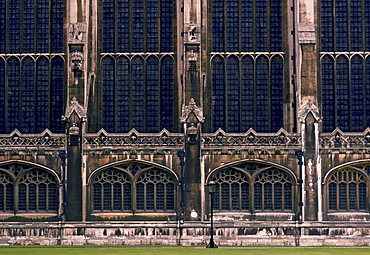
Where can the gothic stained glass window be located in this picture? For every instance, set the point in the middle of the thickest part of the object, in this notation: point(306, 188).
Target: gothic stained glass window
point(345, 38)
point(37, 191)
point(269, 190)
point(138, 85)
point(248, 95)
point(246, 25)
point(111, 191)
point(33, 27)
point(249, 35)
point(155, 191)
point(347, 190)
point(124, 91)
point(273, 191)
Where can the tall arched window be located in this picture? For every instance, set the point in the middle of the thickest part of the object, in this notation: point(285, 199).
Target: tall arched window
point(138, 93)
point(247, 93)
point(346, 39)
point(253, 187)
point(32, 88)
point(347, 190)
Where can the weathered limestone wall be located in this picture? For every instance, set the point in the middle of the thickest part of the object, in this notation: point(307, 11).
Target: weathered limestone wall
point(190, 234)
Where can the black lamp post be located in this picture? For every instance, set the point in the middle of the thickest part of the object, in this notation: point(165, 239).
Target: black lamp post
point(181, 155)
point(212, 190)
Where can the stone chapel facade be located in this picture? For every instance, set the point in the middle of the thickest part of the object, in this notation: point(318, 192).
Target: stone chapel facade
point(116, 114)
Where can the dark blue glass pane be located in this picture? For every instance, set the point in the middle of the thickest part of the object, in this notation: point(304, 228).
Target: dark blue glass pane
point(42, 95)
point(218, 93)
point(2, 96)
point(367, 25)
point(276, 93)
point(218, 25)
point(276, 25)
point(367, 89)
point(137, 98)
point(332, 196)
point(108, 94)
point(137, 26)
point(342, 100)
point(167, 10)
point(248, 98)
point(28, 26)
point(357, 95)
point(262, 95)
point(123, 26)
point(14, 26)
point(152, 95)
point(28, 96)
point(152, 15)
point(53, 197)
point(232, 25)
point(123, 92)
point(356, 25)
point(108, 26)
point(341, 9)
point(167, 94)
point(42, 26)
point(57, 23)
point(3, 19)
point(22, 196)
point(247, 25)
point(328, 96)
point(233, 107)
point(13, 94)
point(327, 25)
point(97, 196)
point(261, 25)
point(57, 95)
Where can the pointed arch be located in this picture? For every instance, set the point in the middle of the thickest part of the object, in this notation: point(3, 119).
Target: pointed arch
point(218, 93)
point(254, 185)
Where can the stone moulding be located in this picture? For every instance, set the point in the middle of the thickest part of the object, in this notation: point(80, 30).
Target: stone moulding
point(44, 139)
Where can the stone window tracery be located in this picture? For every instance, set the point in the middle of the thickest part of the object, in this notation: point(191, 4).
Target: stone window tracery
point(347, 189)
point(133, 187)
point(28, 189)
point(244, 188)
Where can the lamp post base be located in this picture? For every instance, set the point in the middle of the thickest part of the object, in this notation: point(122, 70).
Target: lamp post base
point(212, 245)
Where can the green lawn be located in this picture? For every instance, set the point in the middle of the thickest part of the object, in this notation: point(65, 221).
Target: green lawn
point(102, 250)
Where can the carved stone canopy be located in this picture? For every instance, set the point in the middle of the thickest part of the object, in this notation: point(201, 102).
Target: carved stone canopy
point(76, 108)
point(191, 109)
point(309, 107)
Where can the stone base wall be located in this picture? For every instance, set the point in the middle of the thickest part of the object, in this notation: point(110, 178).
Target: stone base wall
point(188, 234)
